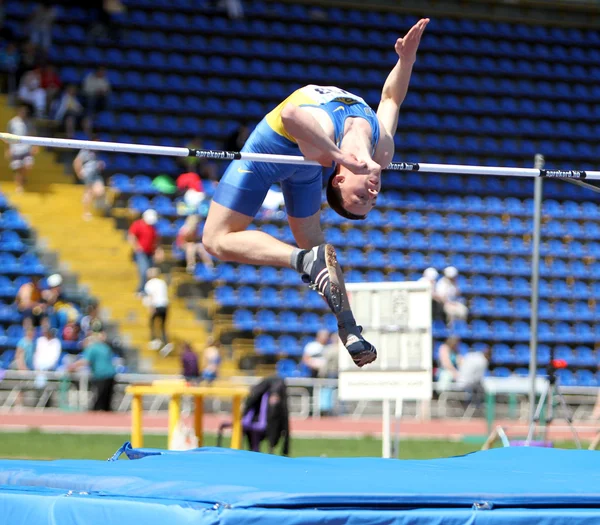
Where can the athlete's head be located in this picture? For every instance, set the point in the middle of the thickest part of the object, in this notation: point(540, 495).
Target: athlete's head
point(352, 195)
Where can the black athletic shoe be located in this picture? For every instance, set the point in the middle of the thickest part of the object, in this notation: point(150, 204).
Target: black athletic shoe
point(323, 274)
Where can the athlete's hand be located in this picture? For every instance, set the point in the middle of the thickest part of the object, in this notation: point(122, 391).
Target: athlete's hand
point(407, 47)
point(350, 161)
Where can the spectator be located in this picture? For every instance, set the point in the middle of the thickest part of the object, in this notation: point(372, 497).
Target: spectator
point(70, 113)
point(88, 169)
point(144, 239)
point(47, 351)
point(449, 361)
point(40, 26)
point(202, 167)
point(31, 93)
point(91, 322)
point(194, 202)
point(98, 356)
point(9, 64)
point(51, 83)
point(237, 139)
point(430, 275)
point(96, 89)
point(448, 293)
point(53, 299)
point(314, 355)
point(30, 303)
point(157, 299)
point(234, 8)
point(211, 360)
point(471, 372)
point(189, 364)
point(189, 181)
point(20, 156)
point(189, 240)
point(29, 60)
point(25, 350)
point(103, 12)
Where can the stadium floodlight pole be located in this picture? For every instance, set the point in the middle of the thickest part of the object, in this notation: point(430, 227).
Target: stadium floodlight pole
point(535, 285)
point(142, 149)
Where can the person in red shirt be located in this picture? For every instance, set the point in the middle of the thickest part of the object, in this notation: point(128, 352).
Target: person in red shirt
point(50, 81)
point(144, 239)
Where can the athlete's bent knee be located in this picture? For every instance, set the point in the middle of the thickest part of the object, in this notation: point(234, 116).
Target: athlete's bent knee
point(213, 243)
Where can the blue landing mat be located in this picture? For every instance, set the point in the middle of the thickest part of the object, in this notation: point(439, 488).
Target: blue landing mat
point(213, 486)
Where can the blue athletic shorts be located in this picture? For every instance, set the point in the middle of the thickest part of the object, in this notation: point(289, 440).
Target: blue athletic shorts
point(245, 184)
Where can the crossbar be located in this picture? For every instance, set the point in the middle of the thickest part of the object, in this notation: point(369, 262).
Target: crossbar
point(145, 149)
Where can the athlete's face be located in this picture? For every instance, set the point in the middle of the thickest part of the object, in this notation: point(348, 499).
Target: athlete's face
point(359, 192)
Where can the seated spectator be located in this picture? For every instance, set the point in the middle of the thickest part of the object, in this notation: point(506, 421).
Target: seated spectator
point(448, 293)
point(189, 364)
point(430, 275)
point(202, 167)
point(51, 83)
point(211, 360)
point(96, 90)
point(25, 350)
point(47, 351)
point(314, 355)
point(195, 203)
point(237, 139)
point(471, 372)
point(91, 322)
point(30, 303)
point(31, 93)
point(98, 357)
point(157, 300)
point(20, 156)
point(70, 114)
point(144, 239)
point(189, 240)
point(88, 169)
point(9, 64)
point(40, 25)
point(449, 361)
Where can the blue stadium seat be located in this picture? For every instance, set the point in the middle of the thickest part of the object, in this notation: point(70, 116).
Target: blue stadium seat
point(286, 368)
point(269, 298)
point(267, 320)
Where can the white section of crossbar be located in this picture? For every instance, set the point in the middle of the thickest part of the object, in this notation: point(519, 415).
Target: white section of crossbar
point(143, 149)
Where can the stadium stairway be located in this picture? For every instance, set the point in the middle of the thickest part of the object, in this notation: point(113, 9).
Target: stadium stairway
point(98, 253)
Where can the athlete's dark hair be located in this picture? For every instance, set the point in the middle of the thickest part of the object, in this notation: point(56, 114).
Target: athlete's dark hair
point(334, 198)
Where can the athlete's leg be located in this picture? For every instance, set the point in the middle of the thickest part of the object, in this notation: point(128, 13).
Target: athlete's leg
point(225, 237)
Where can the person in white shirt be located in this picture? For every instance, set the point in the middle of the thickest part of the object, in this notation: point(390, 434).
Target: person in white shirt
point(20, 156)
point(88, 169)
point(314, 355)
point(157, 299)
point(96, 89)
point(47, 351)
point(448, 293)
point(32, 93)
point(430, 275)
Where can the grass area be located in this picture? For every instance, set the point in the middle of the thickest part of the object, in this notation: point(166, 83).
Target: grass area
point(40, 445)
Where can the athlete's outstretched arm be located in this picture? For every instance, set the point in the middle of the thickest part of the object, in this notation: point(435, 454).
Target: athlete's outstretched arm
point(314, 142)
point(396, 86)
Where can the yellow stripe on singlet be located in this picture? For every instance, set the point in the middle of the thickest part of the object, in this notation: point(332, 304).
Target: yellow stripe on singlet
point(274, 117)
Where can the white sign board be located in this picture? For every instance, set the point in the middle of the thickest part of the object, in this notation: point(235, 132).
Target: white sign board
point(396, 319)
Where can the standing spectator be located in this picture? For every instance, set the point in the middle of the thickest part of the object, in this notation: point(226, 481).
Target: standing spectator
point(448, 293)
point(50, 82)
point(189, 240)
point(9, 65)
point(197, 165)
point(20, 156)
point(211, 360)
point(88, 169)
point(237, 139)
point(471, 372)
point(53, 299)
point(144, 239)
point(430, 275)
point(40, 26)
point(449, 361)
point(29, 59)
point(157, 299)
point(31, 93)
point(98, 356)
point(26, 350)
point(189, 364)
point(189, 181)
point(314, 354)
point(96, 89)
point(47, 351)
point(30, 303)
point(70, 113)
